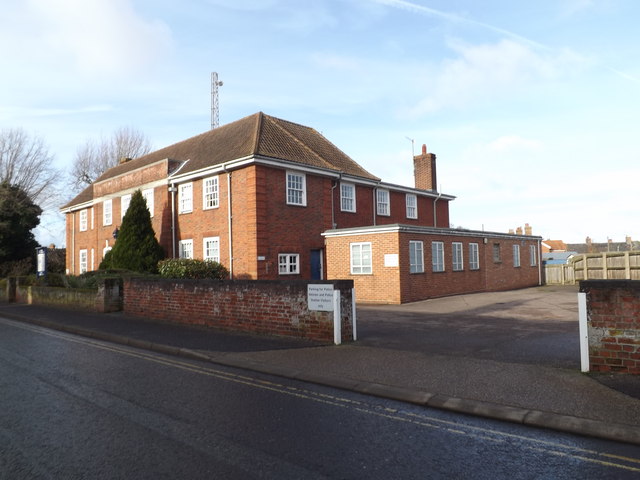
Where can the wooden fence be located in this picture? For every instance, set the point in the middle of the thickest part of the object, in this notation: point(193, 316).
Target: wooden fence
point(595, 266)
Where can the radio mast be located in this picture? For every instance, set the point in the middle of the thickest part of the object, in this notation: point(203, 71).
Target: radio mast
point(215, 110)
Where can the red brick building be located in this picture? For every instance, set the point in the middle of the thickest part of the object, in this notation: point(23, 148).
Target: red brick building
point(257, 195)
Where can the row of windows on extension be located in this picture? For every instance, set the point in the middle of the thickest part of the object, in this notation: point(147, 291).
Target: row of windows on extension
point(296, 195)
point(361, 259)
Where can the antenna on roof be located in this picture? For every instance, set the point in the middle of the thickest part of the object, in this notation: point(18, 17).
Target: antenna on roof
point(413, 153)
point(215, 110)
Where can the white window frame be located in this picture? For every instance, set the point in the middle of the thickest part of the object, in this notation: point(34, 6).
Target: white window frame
point(412, 205)
point(186, 248)
point(474, 258)
point(107, 212)
point(437, 256)
point(93, 259)
point(83, 220)
point(92, 218)
point(148, 196)
point(125, 201)
point(296, 188)
point(83, 260)
point(348, 197)
point(289, 264)
point(516, 256)
point(361, 258)
point(416, 256)
point(185, 198)
point(210, 193)
point(457, 257)
point(383, 204)
point(533, 255)
point(210, 252)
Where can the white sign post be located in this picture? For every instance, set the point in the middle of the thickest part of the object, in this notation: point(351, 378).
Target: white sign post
point(584, 332)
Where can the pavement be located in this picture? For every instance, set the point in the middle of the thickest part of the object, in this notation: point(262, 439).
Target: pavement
point(512, 356)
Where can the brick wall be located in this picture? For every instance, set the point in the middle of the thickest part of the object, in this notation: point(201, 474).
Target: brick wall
point(107, 298)
point(613, 312)
point(264, 307)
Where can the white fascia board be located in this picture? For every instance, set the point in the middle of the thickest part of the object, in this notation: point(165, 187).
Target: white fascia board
point(212, 170)
point(75, 208)
point(450, 232)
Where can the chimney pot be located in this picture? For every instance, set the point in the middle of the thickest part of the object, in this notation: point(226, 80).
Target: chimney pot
point(424, 149)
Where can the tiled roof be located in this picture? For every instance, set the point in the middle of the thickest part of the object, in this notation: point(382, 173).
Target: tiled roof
point(258, 134)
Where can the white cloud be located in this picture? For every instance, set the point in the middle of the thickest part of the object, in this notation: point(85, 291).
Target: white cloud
point(482, 72)
point(96, 37)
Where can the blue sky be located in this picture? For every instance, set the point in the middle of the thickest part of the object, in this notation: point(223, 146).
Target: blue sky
point(530, 107)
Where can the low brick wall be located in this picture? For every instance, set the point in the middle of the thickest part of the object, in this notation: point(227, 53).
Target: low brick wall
point(613, 323)
point(256, 306)
point(107, 298)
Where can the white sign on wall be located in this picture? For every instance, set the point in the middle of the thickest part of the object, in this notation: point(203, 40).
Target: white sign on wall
point(391, 260)
point(320, 297)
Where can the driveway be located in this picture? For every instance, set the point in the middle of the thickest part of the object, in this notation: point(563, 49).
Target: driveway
point(534, 325)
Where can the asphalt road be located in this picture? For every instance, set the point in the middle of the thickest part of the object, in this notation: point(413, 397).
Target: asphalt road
point(72, 407)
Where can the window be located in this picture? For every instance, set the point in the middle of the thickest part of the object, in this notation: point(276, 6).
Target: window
point(347, 197)
point(83, 220)
point(83, 261)
point(516, 255)
point(457, 260)
point(92, 216)
point(533, 255)
point(211, 248)
point(296, 189)
point(107, 217)
point(210, 196)
point(148, 197)
point(93, 259)
point(496, 253)
point(288, 263)
point(186, 198)
point(125, 200)
point(474, 259)
point(186, 248)
point(416, 257)
point(437, 256)
point(412, 205)
point(383, 202)
point(361, 258)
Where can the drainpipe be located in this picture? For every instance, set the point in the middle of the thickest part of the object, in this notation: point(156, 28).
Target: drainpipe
point(333, 207)
point(73, 244)
point(173, 191)
point(375, 204)
point(435, 213)
point(230, 217)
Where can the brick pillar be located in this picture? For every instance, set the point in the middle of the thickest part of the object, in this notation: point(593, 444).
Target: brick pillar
point(424, 170)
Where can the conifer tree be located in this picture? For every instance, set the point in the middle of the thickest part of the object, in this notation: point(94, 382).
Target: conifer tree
point(136, 247)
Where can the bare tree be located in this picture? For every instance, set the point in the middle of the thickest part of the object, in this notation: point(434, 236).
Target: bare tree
point(25, 161)
point(94, 158)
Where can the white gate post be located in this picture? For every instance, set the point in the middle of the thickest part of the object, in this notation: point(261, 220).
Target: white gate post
point(584, 332)
point(353, 314)
point(337, 318)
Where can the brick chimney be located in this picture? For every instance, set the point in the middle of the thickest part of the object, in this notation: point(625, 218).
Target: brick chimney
point(527, 229)
point(424, 170)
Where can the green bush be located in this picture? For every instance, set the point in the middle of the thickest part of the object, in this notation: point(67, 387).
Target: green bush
point(136, 248)
point(190, 268)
